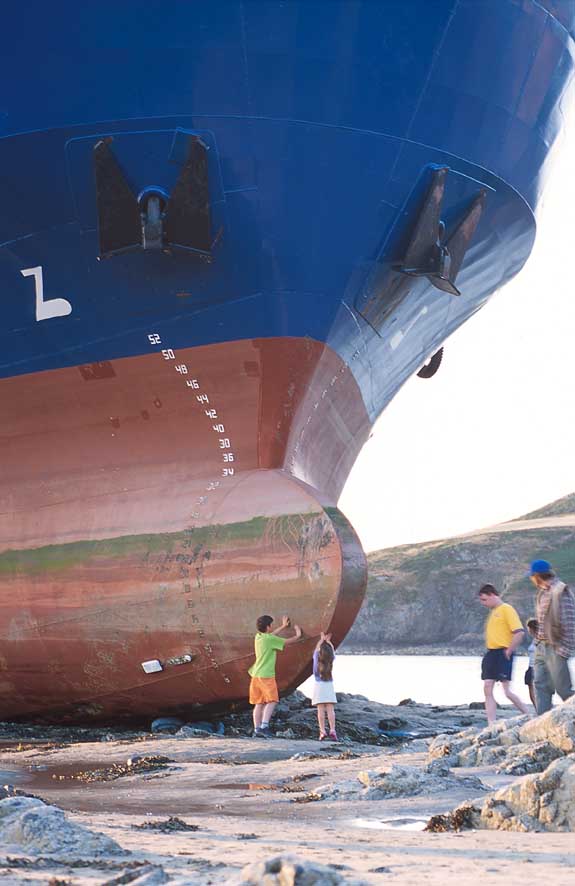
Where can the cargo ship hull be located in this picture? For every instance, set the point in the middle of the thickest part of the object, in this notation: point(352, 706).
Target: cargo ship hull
point(229, 233)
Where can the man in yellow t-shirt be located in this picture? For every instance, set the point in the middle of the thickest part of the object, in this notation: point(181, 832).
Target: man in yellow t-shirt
point(503, 634)
point(263, 687)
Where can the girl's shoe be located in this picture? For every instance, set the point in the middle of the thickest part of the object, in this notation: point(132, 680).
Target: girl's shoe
point(322, 736)
point(333, 736)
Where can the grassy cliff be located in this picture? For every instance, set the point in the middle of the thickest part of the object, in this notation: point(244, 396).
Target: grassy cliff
point(424, 596)
point(557, 508)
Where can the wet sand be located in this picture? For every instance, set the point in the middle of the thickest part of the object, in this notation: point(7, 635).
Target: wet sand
point(241, 794)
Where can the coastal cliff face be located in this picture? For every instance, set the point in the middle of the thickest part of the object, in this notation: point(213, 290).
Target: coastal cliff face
point(423, 597)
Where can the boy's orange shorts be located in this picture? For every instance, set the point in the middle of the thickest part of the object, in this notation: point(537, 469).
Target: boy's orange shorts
point(263, 690)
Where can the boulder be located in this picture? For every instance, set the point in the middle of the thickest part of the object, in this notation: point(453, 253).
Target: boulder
point(481, 755)
point(287, 870)
point(401, 781)
point(557, 726)
point(39, 829)
point(149, 875)
point(525, 759)
point(542, 802)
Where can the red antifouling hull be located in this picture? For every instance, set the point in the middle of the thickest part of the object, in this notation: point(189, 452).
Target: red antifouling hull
point(153, 507)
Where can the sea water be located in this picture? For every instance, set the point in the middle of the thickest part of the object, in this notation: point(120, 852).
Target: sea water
point(427, 679)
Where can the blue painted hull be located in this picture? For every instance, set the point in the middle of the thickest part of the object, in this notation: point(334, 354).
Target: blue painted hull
point(321, 115)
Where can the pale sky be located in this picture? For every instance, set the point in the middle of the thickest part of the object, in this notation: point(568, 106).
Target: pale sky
point(492, 435)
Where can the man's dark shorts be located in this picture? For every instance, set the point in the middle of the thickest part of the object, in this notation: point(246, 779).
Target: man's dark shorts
point(529, 676)
point(496, 666)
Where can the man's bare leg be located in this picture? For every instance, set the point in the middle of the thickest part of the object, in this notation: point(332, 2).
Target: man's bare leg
point(514, 698)
point(490, 705)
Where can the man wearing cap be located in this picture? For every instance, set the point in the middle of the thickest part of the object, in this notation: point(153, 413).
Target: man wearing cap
point(555, 607)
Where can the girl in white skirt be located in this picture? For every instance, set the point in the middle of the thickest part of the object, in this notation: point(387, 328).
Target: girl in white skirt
point(323, 692)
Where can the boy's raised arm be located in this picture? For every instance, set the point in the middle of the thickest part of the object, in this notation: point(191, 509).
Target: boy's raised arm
point(295, 638)
point(286, 623)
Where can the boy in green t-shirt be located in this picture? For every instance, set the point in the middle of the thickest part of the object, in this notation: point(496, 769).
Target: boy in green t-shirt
point(263, 687)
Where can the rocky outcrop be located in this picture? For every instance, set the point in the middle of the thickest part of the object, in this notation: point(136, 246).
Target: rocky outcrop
point(544, 747)
point(399, 781)
point(517, 745)
point(360, 719)
point(525, 759)
point(541, 802)
point(556, 726)
point(29, 825)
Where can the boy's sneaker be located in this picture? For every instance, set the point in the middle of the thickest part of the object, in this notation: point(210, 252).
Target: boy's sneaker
point(261, 732)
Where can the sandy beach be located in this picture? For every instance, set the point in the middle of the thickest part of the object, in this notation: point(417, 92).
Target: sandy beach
point(237, 800)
